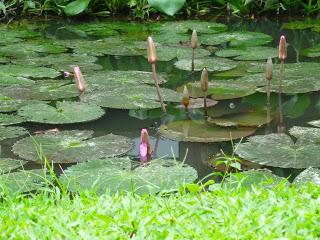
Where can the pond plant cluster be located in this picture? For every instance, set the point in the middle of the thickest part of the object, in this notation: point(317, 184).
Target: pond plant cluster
point(37, 85)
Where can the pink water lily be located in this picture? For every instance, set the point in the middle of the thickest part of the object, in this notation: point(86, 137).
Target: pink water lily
point(145, 149)
point(79, 79)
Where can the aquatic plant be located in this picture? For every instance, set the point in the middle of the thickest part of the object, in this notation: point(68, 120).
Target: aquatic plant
point(145, 147)
point(282, 57)
point(194, 45)
point(152, 59)
point(204, 87)
point(185, 97)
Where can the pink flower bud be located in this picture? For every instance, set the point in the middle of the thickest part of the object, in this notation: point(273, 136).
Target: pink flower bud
point(282, 48)
point(79, 79)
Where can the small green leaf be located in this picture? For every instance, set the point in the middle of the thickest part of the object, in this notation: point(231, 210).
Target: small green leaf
point(76, 7)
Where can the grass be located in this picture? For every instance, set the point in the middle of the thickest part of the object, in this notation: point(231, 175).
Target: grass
point(287, 212)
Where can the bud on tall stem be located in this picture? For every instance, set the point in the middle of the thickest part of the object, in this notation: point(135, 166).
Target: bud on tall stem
point(204, 80)
point(269, 69)
point(185, 97)
point(152, 55)
point(194, 39)
point(282, 48)
point(79, 79)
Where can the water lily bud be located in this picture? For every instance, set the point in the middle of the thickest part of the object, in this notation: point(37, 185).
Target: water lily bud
point(79, 79)
point(269, 68)
point(145, 148)
point(185, 97)
point(282, 48)
point(204, 80)
point(67, 74)
point(194, 39)
point(152, 55)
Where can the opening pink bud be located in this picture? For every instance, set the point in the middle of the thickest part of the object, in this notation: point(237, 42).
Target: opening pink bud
point(204, 80)
point(152, 55)
point(269, 69)
point(79, 79)
point(282, 48)
point(145, 149)
point(194, 39)
point(67, 74)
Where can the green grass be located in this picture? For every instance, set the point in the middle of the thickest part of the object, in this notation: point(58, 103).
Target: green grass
point(286, 211)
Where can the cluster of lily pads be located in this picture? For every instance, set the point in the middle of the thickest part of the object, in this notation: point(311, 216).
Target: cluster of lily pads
point(33, 89)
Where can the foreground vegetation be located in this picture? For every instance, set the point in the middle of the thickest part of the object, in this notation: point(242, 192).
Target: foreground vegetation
point(286, 211)
point(144, 9)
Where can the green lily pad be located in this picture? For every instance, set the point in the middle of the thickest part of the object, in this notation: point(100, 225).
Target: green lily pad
point(43, 90)
point(130, 97)
point(196, 103)
point(29, 71)
point(174, 39)
point(7, 80)
point(9, 119)
point(311, 52)
point(9, 164)
point(249, 53)
point(300, 25)
point(219, 90)
point(8, 104)
point(11, 132)
point(96, 29)
point(249, 119)
point(212, 64)
point(123, 78)
point(64, 112)
point(71, 146)
point(25, 181)
point(117, 175)
point(199, 131)
point(237, 38)
point(315, 123)
point(248, 179)
point(188, 25)
point(309, 175)
point(279, 150)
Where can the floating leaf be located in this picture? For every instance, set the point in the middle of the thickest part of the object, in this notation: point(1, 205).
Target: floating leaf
point(195, 103)
point(6, 119)
point(8, 104)
point(312, 51)
point(188, 25)
point(9, 164)
point(71, 146)
point(309, 175)
point(30, 71)
point(7, 80)
point(220, 90)
point(249, 53)
point(249, 119)
point(43, 90)
point(289, 154)
point(237, 38)
point(64, 112)
point(212, 64)
point(249, 179)
point(11, 132)
point(199, 131)
point(130, 97)
point(117, 175)
point(24, 181)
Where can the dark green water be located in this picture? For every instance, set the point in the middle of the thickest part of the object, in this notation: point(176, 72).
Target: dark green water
point(121, 121)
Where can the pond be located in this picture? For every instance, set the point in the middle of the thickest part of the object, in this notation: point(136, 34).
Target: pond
point(121, 99)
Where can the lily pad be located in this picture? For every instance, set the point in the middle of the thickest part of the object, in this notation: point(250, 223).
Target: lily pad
point(11, 132)
point(8, 104)
point(315, 123)
point(64, 112)
point(237, 38)
point(29, 72)
point(279, 150)
point(24, 181)
point(123, 78)
point(248, 179)
point(9, 119)
point(43, 90)
point(200, 131)
point(219, 90)
point(212, 64)
point(312, 51)
point(310, 175)
point(130, 97)
point(71, 146)
point(195, 103)
point(7, 80)
point(250, 119)
point(9, 164)
point(117, 175)
point(249, 53)
point(188, 25)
